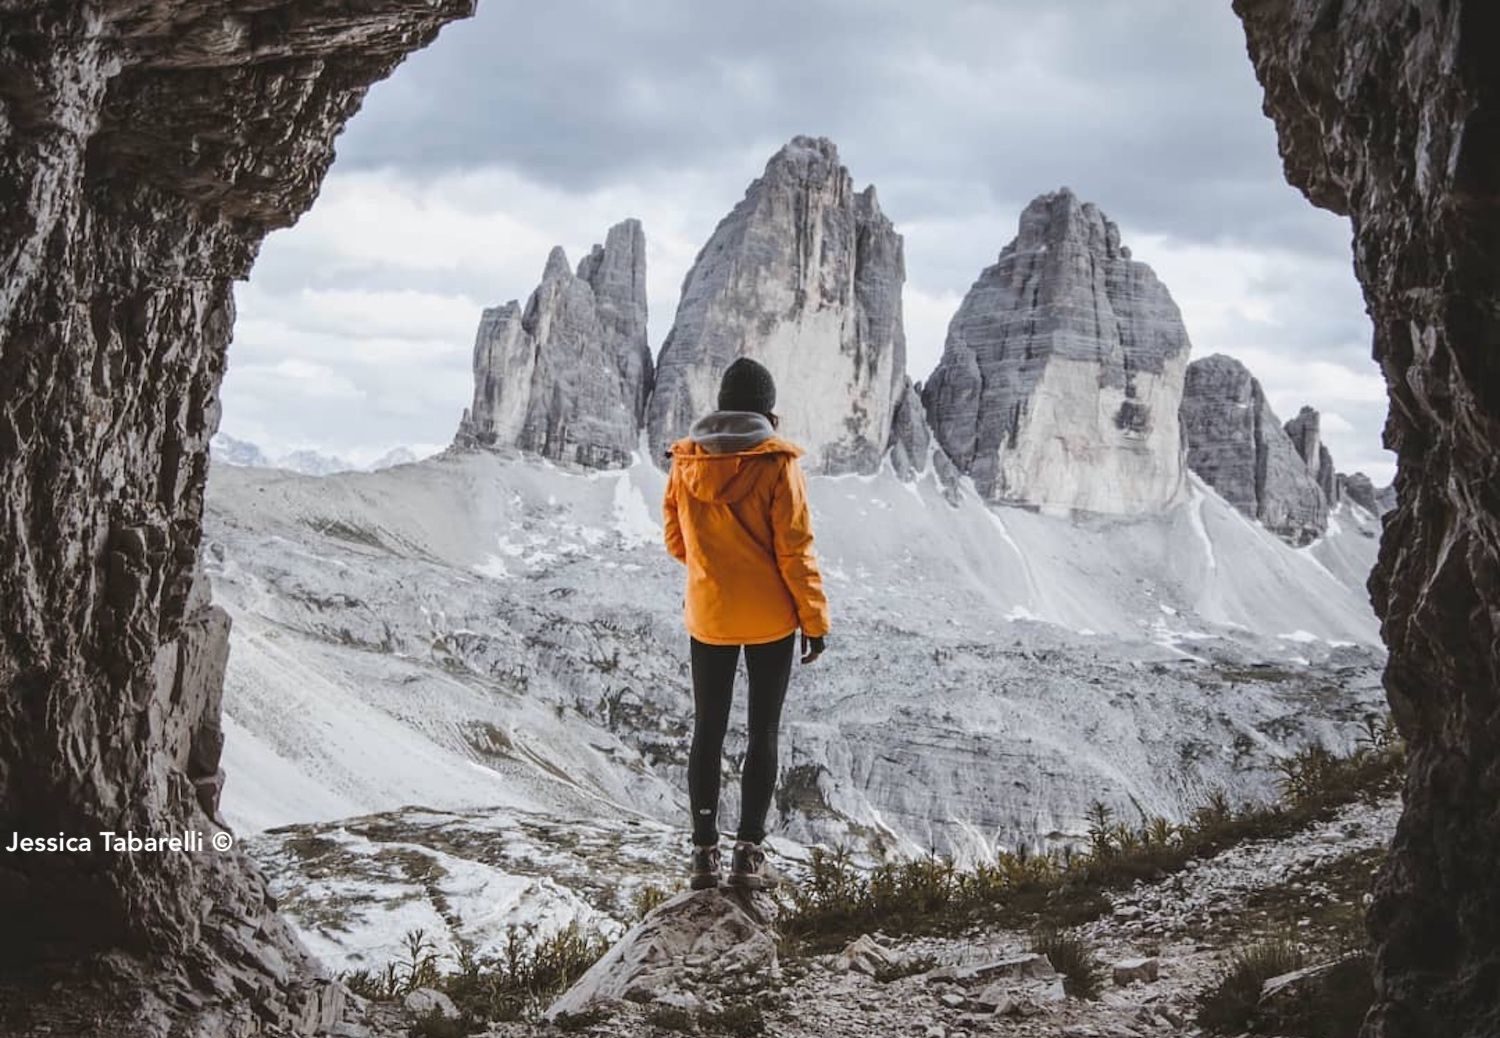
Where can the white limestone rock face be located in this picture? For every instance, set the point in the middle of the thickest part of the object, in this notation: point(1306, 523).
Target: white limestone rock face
point(1062, 373)
point(805, 276)
point(1239, 447)
point(568, 376)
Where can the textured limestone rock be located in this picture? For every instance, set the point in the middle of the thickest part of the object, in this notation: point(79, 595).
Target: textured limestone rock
point(1359, 488)
point(805, 276)
point(568, 376)
point(1136, 971)
point(720, 932)
point(1389, 111)
point(911, 439)
point(866, 955)
point(1236, 444)
point(149, 145)
point(1306, 433)
point(616, 271)
point(1062, 372)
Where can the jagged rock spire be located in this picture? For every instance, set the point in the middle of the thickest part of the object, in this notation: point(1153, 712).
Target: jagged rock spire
point(568, 376)
point(805, 276)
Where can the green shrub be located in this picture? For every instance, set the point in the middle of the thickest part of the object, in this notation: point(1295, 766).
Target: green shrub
point(1333, 1005)
point(739, 1019)
point(1071, 955)
point(436, 1025)
point(648, 897)
point(1230, 1006)
point(672, 1018)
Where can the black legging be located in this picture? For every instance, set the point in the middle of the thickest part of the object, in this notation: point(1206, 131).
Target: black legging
point(769, 666)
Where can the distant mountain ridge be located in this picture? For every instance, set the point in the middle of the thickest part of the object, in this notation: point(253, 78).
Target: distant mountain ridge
point(228, 450)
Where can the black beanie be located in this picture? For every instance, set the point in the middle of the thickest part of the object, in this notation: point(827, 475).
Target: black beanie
point(747, 386)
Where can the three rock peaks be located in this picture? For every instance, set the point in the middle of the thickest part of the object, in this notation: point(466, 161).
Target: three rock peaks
point(1064, 382)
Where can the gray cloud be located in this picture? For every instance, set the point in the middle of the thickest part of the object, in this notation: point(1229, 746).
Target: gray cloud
point(1150, 107)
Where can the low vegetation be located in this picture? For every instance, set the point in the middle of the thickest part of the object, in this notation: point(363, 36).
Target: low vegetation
point(1045, 892)
point(1073, 957)
point(1063, 888)
point(516, 984)
point(739, 1019)
point(1230, 1006)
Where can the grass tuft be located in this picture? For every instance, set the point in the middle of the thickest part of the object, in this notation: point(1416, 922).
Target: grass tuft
point(1230, 1006)
point(1073, 957)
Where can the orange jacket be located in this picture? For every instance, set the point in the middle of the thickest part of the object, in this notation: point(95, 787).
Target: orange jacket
point(740, 522)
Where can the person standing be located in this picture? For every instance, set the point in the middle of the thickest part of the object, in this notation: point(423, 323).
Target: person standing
point(735, 513)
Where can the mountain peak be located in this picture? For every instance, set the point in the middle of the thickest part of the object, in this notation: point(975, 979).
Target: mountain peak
point(1062, 372)
point(557, 265)
point(1059, 216)
point(803, 275)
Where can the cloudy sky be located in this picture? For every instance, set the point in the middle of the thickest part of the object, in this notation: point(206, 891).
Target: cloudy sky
point(540, 124)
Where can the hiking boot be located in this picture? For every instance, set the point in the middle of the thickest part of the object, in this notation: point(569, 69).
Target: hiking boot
point(748, 867)
point(705, 868)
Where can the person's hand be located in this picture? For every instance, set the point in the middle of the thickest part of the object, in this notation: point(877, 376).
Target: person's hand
point(808, 655)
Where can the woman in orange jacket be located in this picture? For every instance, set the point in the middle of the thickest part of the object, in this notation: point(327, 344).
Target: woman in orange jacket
point(735, 512)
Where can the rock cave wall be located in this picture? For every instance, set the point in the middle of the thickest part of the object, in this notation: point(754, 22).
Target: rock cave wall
point(146, 148)
point(1388, 111)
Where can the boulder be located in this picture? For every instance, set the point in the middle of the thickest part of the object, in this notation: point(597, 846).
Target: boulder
point(866, 955)
point(1136, 971)
point(1062, 372)
point(427, 1002)
point(805, 276)
point(729, 930)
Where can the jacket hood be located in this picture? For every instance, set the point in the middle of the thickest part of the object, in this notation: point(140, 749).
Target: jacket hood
point(713, 458)
point(726, 432)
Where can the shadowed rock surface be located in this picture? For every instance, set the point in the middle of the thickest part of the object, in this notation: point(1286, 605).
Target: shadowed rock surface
point(1389, 112)
point(1357, 487)
point(1238, 446)
point(568, 376)
point(1306, 433)
point(805, 276)
point(149, 146)
point(1062, 372)
point(910, 437)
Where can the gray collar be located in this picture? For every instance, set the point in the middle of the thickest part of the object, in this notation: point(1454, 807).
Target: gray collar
point(724, 432)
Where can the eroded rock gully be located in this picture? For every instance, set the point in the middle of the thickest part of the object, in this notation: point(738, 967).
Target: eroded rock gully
point(1388, 111)
point(146, 148)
